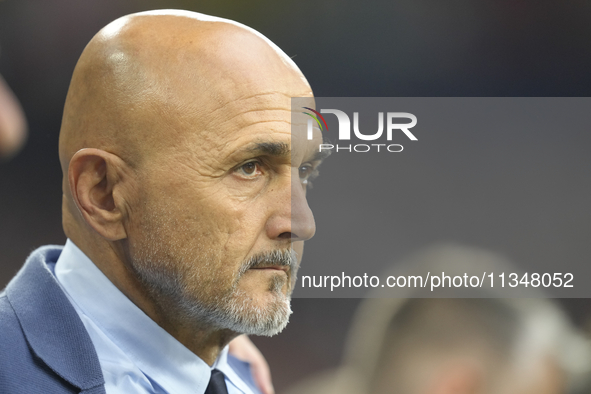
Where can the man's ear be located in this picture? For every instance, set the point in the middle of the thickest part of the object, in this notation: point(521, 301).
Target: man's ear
point(95, 178)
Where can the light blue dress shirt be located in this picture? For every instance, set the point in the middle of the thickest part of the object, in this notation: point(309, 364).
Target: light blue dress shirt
point(135, 353)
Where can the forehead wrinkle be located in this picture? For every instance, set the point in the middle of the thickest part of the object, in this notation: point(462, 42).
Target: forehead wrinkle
point(251, 119)
point(258, 122)
point(251, 111)
point(260, 104)
point(249, 124)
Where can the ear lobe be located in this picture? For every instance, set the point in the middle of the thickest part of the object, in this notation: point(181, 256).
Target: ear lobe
point(93, 175)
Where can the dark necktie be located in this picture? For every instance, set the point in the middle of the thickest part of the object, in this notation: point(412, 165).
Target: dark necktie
point(217, 383)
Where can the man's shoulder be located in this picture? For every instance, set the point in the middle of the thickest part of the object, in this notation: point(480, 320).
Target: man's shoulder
point(13, 347)
point(44, 347)
point(23, 285)
point(9, 326)
point(20, 369)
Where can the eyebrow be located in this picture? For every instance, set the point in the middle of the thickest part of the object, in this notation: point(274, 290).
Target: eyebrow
point(270, 148)
point(280, 149)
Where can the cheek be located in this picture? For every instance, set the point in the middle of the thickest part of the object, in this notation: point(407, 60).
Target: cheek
point(191, 216)
point(243, 224)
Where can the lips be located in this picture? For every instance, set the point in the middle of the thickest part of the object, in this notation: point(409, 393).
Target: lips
point(276, 260)
point(272, 267)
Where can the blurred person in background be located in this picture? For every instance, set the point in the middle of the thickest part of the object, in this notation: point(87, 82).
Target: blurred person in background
point(458, 345)
point(13, 125)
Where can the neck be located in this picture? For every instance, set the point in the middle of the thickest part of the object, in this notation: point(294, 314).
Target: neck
point(204, 341)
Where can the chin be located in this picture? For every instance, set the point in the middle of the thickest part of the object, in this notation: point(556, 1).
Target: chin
point(245, 310)
point(266, 315)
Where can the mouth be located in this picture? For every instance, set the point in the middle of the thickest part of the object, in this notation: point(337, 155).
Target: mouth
point(272, 268)
point(272, 262)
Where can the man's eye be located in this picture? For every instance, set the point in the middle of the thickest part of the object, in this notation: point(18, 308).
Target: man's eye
point(249, 169)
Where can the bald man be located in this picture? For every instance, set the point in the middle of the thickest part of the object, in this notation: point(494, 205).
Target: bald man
point(184, 204)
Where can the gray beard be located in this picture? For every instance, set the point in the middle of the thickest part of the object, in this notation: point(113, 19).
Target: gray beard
point(231, 309)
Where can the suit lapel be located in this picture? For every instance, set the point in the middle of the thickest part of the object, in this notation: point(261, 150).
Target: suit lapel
point(50, 323)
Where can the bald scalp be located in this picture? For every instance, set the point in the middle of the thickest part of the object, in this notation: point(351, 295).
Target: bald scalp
point(165, 112)
point(148, 82)
point(142, 74)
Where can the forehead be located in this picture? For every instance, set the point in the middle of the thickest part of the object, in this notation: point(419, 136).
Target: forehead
point(255, 117)
point(236, 130)
point(249, 108)
point(229, 97)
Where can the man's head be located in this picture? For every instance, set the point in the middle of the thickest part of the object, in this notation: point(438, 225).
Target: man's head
point(180, 178)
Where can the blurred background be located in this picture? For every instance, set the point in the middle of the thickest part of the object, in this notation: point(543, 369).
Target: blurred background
point(407, 48)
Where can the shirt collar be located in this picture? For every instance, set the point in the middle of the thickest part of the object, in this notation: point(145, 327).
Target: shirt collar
point(157, 353)
point(223, 364)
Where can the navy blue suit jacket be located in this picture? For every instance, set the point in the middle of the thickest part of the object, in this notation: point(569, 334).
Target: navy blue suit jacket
point(44, 346)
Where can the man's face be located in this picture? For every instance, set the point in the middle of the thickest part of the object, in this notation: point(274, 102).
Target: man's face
point(222, 213)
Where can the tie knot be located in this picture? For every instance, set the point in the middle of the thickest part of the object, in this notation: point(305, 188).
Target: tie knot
point(217, 383)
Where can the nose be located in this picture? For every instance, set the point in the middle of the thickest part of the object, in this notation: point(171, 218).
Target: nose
point(293, 219)
point(303, 226)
